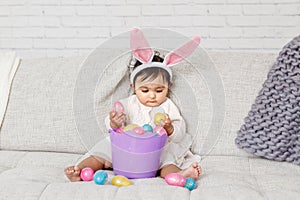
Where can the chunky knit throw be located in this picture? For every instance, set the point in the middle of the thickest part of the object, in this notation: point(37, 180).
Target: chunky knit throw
point(272, 127)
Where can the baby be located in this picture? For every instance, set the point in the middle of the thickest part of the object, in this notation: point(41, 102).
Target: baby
point(150, 81)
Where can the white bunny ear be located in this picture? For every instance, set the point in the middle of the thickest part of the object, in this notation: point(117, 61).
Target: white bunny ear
point(139, 46)
point(182, 52)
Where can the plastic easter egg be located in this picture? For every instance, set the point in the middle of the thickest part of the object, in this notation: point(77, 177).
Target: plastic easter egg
point(190, 184)
point(87, 174)
point(159, 130)
point(130, 127)
point(118, 130)
point(118, 107)
point(139, 130)
point(120, 181)
point(175, 179)
point(147, 128)
point(100, 177)
point(158, 117)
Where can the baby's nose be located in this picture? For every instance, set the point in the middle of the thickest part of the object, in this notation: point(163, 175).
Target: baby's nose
point(152, 94)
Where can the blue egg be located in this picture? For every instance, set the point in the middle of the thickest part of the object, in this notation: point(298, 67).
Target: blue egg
point(190, 184)
point(147, 128)
point(100, 177)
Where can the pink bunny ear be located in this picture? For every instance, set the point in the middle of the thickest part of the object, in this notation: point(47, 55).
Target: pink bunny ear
point(182, 52)
point(139, 46)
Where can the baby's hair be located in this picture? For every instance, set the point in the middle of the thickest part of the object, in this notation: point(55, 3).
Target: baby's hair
point(152, 72)
point(156, 58)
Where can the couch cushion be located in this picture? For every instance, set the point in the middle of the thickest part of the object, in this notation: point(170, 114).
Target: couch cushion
point(242, 75)
point(39, 115)
point(25, 175)
point(39, 175)
point(230, 177)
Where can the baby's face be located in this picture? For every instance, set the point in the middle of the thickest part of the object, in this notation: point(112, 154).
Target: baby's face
point(151, 93)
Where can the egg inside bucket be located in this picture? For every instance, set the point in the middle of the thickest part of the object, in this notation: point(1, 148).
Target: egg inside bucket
point(136, 156)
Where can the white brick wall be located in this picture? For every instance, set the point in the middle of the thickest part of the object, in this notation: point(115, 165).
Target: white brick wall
point(37, 28)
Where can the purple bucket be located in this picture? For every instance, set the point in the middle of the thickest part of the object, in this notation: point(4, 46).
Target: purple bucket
point(136, 156)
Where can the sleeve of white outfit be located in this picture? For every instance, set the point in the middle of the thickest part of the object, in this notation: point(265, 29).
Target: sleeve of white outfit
point(177, 122)
point(107, 123)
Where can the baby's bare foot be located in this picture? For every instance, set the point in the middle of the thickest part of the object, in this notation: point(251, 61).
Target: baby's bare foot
point(73, 173)
point(193, 171)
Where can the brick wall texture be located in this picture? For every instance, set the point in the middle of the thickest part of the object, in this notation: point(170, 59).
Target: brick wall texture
point(38, 28)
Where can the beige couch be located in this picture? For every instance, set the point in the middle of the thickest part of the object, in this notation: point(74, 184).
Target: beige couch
point(39, 138)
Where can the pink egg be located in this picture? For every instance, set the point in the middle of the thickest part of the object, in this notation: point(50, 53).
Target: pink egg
point(87, 174)
point(159, 130)
point(175, 179)
point(118, 130)
point(118, 107)
point(139, 130)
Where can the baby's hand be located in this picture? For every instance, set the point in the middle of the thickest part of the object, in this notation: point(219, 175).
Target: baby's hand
point(116, 120)
point(167, 125)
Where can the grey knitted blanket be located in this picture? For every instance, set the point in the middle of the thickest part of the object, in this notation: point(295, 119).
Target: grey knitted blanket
point(272, 127)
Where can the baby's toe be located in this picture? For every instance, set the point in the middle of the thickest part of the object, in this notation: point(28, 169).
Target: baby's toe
point(199, 171)
point(77, 172)
point(69, 170)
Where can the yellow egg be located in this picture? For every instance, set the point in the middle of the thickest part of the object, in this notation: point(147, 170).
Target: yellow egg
point(120, 181)
point(158, 117)
point(130, 127)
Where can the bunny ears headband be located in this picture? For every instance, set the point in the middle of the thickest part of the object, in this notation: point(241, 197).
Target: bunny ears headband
point(142, 51)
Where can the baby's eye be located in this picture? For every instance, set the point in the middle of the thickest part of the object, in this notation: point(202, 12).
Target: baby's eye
point(145, 90)
point(159, 91)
